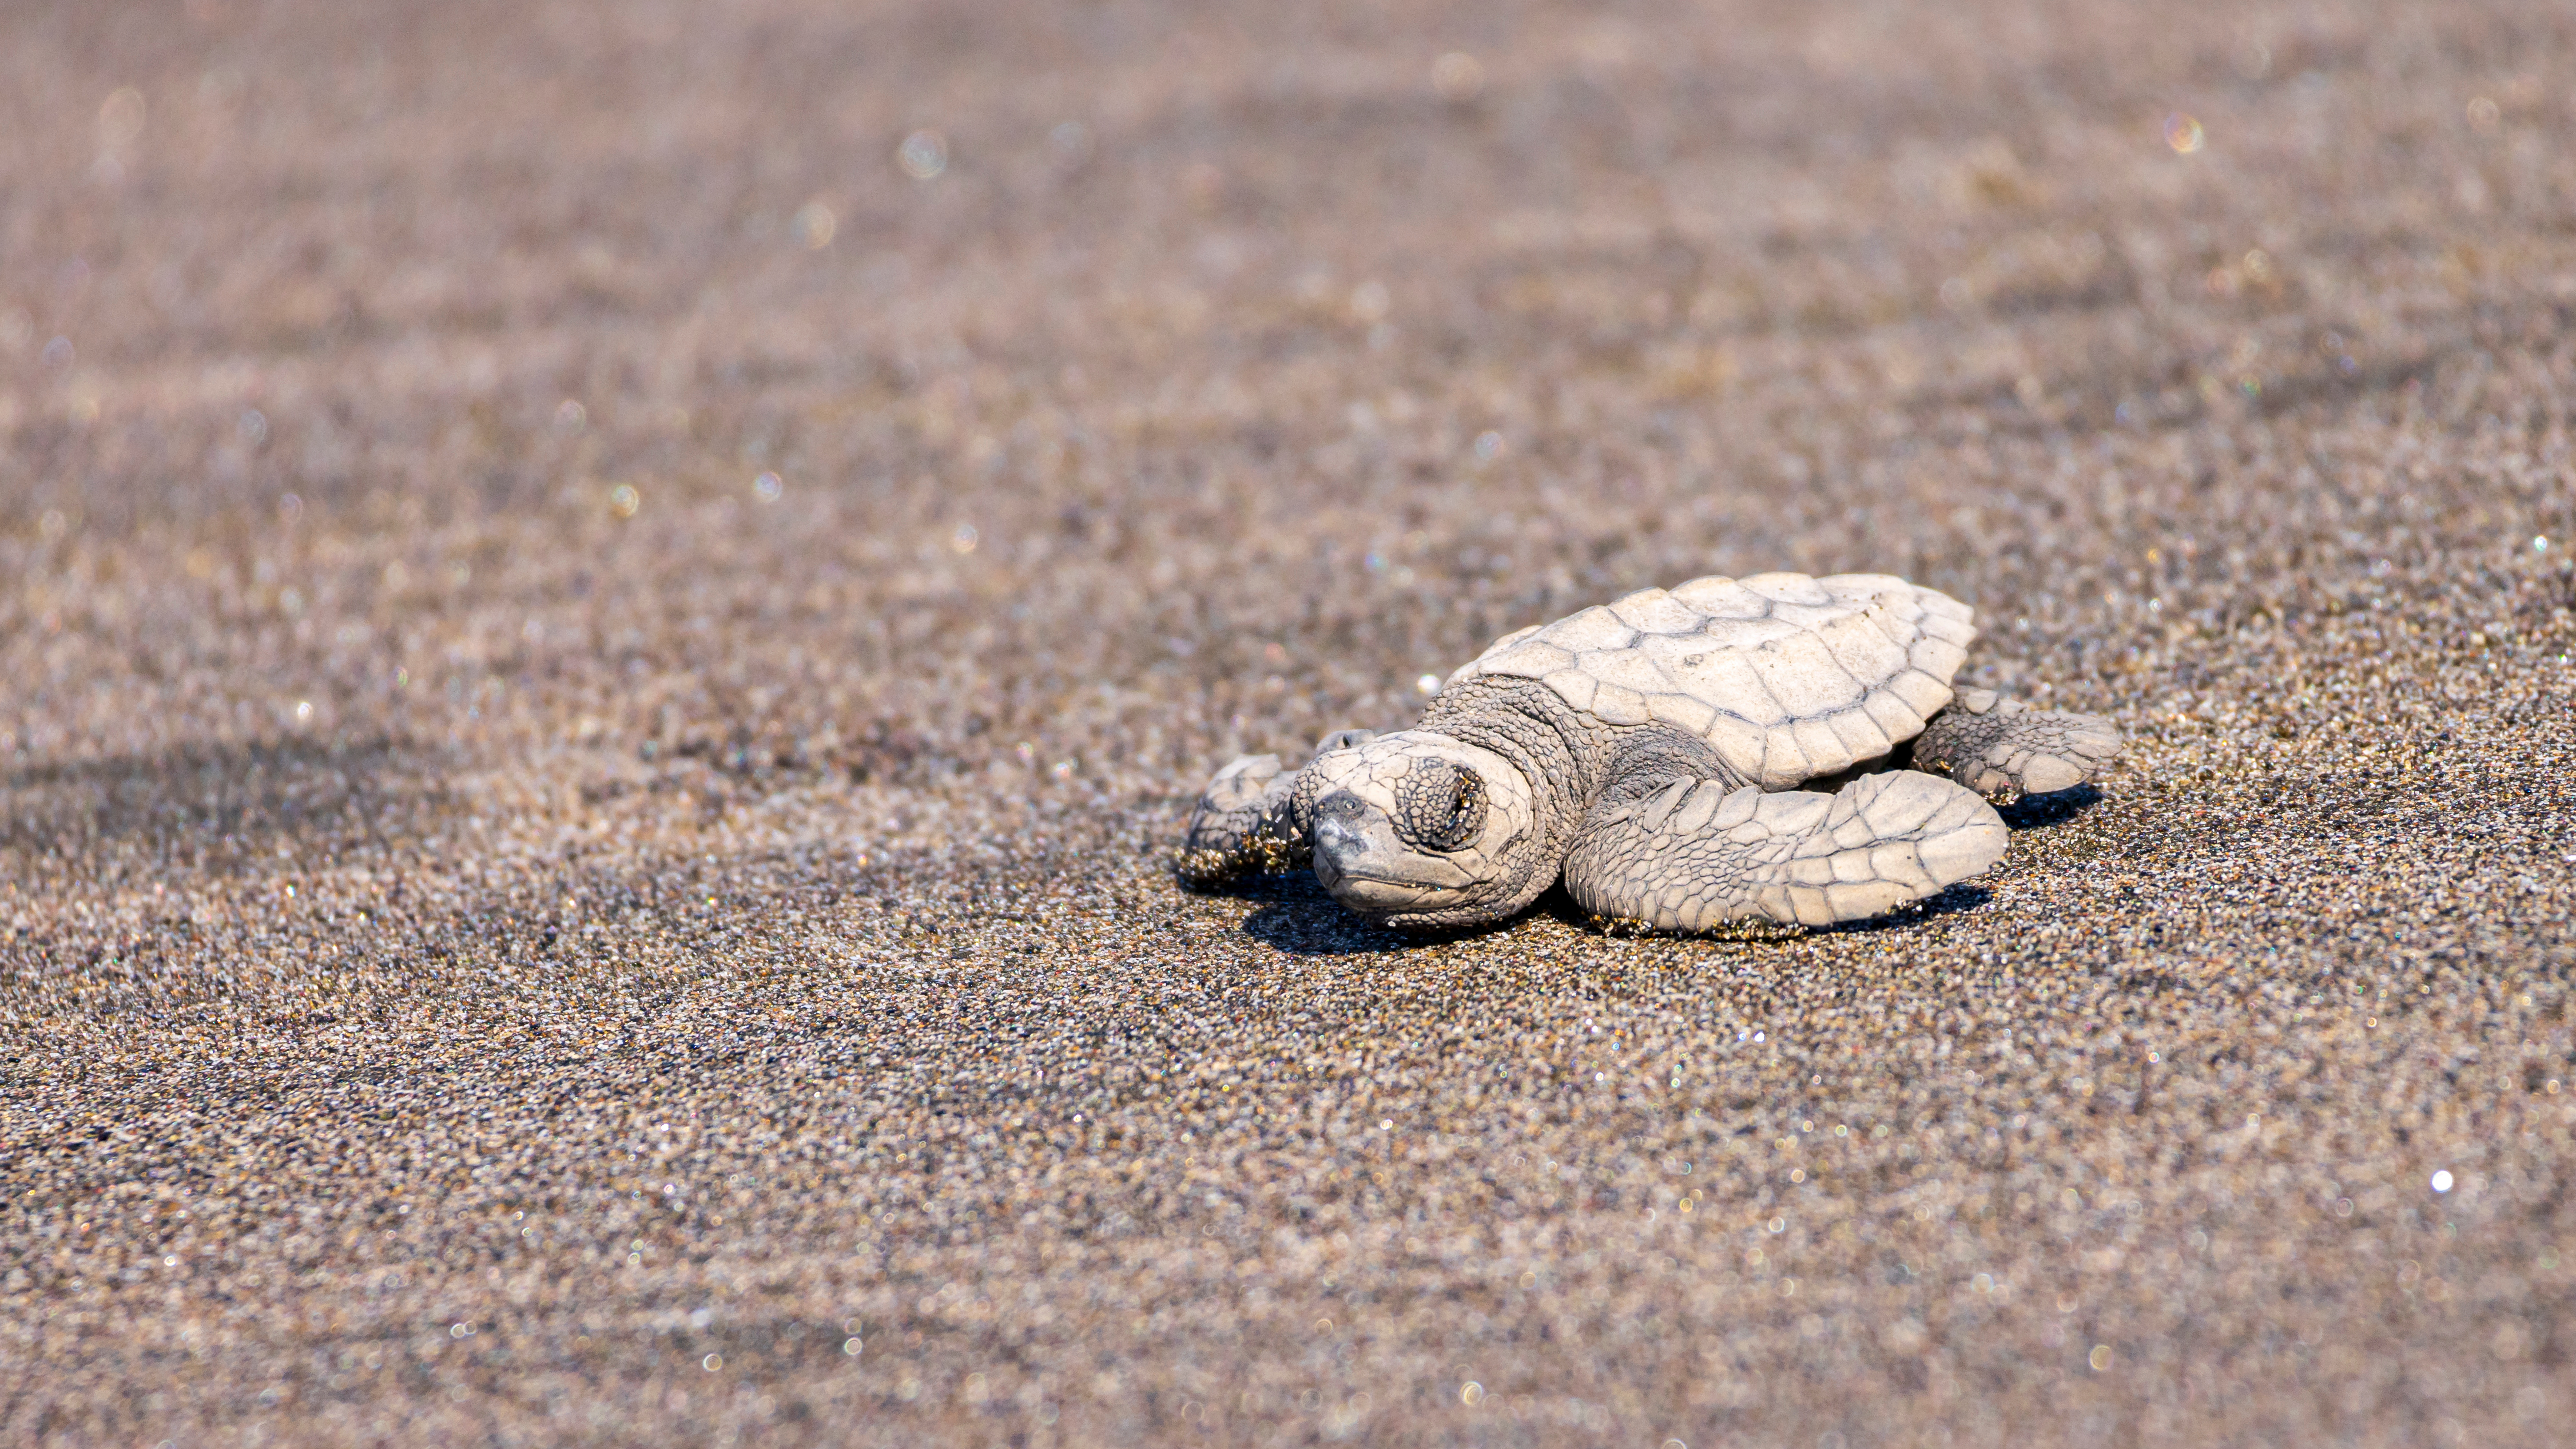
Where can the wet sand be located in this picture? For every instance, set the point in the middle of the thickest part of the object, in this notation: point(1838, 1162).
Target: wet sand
point(608, 615)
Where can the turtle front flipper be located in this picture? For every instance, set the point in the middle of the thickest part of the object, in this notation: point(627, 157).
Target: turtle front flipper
point(2004, 749)
point(1698, 854)
point(1244, 824)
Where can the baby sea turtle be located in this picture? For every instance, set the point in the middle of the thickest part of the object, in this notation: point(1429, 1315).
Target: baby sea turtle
point(1648, 752)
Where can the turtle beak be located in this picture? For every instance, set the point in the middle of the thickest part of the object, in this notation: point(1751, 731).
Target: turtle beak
point(1359, 860)
point(1341, 848)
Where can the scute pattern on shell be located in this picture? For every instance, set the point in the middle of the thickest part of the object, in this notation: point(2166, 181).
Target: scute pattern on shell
point(1787, 677)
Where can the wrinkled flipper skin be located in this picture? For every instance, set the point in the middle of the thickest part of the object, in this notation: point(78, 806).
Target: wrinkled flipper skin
point(1244, 823)
point(1697, 854)
point(2004, 749)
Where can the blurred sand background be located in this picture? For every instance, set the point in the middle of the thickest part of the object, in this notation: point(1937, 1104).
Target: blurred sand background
point(608, 612)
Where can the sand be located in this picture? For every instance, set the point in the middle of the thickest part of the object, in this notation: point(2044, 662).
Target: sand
point(608, 615)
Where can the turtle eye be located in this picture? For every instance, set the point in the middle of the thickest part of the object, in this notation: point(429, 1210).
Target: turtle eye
point(1439, 806)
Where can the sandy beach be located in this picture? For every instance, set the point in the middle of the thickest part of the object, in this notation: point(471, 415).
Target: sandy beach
point(609, 616)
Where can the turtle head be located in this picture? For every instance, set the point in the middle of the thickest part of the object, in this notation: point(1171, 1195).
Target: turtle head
point(1418, 829)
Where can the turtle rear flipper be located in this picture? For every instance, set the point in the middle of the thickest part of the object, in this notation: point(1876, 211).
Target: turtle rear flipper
point(2004, 749)
point(1696, 855)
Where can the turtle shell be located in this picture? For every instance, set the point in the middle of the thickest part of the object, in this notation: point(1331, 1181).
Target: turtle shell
point(1787, 677)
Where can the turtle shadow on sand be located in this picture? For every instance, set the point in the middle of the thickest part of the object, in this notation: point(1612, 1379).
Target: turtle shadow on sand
point(2033, 812)
point(1950, 902)
point(1957, 900)
point(1298, 916)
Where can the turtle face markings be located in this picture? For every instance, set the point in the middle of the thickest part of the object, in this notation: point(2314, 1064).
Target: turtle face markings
point(1415, 824)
